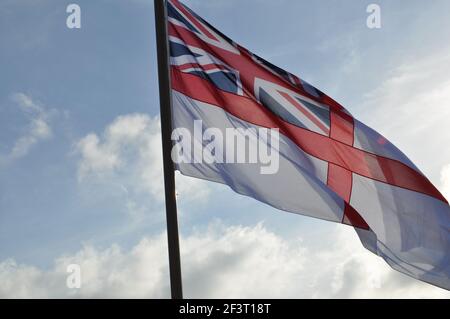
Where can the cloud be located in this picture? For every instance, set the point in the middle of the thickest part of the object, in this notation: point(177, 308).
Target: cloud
point(412, 108)
point(107, 273)
point(129, 153)
point(38, 129)
point(223, 262)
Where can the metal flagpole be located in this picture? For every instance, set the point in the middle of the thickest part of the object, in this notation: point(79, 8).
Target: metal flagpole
point(166, 129)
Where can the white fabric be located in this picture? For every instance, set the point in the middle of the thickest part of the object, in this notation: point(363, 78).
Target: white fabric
point(371, 141)
point(298, 187)
point(412, 229)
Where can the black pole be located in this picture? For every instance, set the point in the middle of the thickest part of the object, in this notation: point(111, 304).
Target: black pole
point(165, 98)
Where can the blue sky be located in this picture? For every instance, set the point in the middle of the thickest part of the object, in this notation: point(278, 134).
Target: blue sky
point(80, 166)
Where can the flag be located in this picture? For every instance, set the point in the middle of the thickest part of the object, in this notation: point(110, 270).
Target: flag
point(330, 166)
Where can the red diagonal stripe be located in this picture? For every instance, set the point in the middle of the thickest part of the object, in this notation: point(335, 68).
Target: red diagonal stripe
point(194, 20)
point(300, 107)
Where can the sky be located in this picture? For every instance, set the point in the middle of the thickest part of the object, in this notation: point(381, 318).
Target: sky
point(81, 163)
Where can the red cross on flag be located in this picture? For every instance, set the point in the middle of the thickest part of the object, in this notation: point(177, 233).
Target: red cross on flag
point(331, 166)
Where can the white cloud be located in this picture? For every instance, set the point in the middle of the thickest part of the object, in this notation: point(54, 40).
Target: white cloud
point(111, 272)
point(38, 129)
point(223, 262)
point(411, 108)
point(129, 153)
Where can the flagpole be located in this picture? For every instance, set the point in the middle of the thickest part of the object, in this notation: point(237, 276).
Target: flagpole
point(165, 98)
